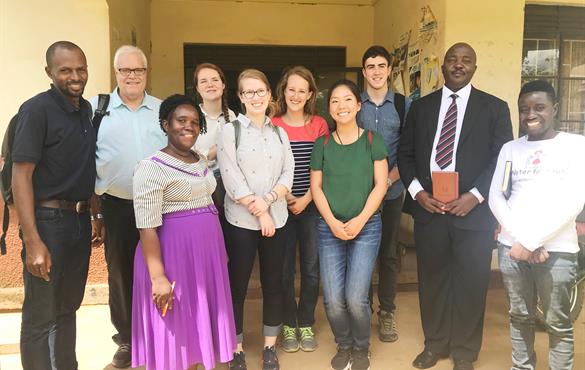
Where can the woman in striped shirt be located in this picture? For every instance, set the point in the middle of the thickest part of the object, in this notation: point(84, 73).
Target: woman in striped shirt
point(181, 304)
point(295, 113)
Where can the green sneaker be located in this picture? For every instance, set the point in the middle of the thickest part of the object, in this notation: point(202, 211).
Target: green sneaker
point(289, 342)
point(308, 341)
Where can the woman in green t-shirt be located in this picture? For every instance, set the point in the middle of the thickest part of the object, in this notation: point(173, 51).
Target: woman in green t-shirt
point(349, 176)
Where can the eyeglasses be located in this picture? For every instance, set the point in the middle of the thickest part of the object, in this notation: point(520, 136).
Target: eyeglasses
point(137, 71)
point(249, 94)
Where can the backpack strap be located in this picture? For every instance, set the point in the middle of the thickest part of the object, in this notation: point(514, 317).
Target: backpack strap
point(400, 106)
point(277, 131)
point(100, 111)
point(237, 132)
point(5, 224)
point(370, 136)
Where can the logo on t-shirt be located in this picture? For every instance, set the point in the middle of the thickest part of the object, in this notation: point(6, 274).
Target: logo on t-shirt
point(535, 159)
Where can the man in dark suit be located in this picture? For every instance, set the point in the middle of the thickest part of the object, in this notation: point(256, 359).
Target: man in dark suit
point(457, 128)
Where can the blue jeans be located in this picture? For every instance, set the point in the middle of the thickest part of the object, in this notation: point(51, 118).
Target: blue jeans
point(346, 273)
point(301, 228)
point(551, 282)
point(47, 335)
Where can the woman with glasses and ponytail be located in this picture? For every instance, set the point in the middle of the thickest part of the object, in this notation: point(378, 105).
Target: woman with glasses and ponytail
point(257, 167)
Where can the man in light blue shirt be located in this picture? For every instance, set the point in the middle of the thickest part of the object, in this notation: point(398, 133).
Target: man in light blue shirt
point(129, 133)
point(380, 113)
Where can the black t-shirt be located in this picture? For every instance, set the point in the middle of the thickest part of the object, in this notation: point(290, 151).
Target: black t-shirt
point(60, 140)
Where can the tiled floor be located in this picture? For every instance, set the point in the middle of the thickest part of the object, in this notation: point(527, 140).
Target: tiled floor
point(94, 348)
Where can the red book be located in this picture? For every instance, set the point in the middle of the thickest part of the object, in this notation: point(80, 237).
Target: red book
point(445, 186)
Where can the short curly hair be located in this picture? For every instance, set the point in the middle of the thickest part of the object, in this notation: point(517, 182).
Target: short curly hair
point(168, 106)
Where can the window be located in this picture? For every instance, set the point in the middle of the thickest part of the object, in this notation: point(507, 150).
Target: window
point(554, 50)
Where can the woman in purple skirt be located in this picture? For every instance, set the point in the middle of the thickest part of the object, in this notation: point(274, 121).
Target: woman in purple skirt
point(181, 307)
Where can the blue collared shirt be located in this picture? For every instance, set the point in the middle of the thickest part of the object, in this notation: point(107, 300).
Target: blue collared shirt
point(125, 138)
point(384, 120)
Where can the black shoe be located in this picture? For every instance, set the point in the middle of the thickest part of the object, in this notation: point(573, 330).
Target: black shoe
point(360, 359)
point(123, 356)
point(238, 362)
point(461, 364)
point(342, 359)
point(426, 359)
point(269, 359)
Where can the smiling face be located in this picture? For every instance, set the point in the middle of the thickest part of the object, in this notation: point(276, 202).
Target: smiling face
point(459, 66)
point(250, 91)
point(536, 113)
point(183, 128)
point(68, 71)
point(376, 71)
point(209, 84)
point(131, 86)
point(296, 93)
point(343, 105)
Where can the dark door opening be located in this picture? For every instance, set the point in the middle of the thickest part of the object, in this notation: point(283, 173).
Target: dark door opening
point(325, 62)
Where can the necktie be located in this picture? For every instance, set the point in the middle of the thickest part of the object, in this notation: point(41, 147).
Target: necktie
point(446, 142)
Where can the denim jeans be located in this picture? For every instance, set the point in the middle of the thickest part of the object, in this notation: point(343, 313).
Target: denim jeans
point(301, 228)
point(550, 281)
point(47, 336)
point(346, 273)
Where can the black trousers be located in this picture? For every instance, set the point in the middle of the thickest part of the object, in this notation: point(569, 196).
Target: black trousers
point(453, 277)
point(48, 331)
point(242, 247)
point(121, 240)
point(300, 229)
point(389, 255)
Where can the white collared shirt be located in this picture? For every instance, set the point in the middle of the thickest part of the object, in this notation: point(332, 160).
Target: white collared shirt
point(262, 160)
point(462, 98)
point(207, 140)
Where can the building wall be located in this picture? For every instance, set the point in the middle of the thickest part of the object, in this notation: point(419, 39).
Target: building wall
point(129, 25)
point(498, 47)
point(28, 27)
point(392, 18)
point(270, 23)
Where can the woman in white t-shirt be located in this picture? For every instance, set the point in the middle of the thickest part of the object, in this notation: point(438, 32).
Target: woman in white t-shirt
point(210, 85)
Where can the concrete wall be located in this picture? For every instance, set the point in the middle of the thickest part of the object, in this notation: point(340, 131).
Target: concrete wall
point(498, 44)
point(28, 27)
point(174, 23)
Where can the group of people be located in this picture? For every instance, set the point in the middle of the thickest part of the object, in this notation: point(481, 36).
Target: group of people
point(184, 195)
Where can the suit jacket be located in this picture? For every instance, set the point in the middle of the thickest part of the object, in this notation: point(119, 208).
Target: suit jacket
point(486, 127)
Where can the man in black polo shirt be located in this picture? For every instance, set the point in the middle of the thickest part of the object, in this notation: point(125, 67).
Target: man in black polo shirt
point(52, 179)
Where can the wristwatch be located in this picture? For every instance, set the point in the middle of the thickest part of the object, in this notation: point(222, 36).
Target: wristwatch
point(389, 182)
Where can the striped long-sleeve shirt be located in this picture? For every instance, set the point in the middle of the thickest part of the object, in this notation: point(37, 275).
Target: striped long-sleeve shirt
point(302, 139)
point(165, 184)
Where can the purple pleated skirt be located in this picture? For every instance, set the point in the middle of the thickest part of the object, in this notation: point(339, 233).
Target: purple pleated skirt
point(200, 328)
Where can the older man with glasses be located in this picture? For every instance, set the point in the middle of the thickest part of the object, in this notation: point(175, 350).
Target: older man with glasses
point(128, 133)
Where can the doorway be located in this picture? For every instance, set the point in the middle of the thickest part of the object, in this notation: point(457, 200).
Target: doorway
point(327, 63)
